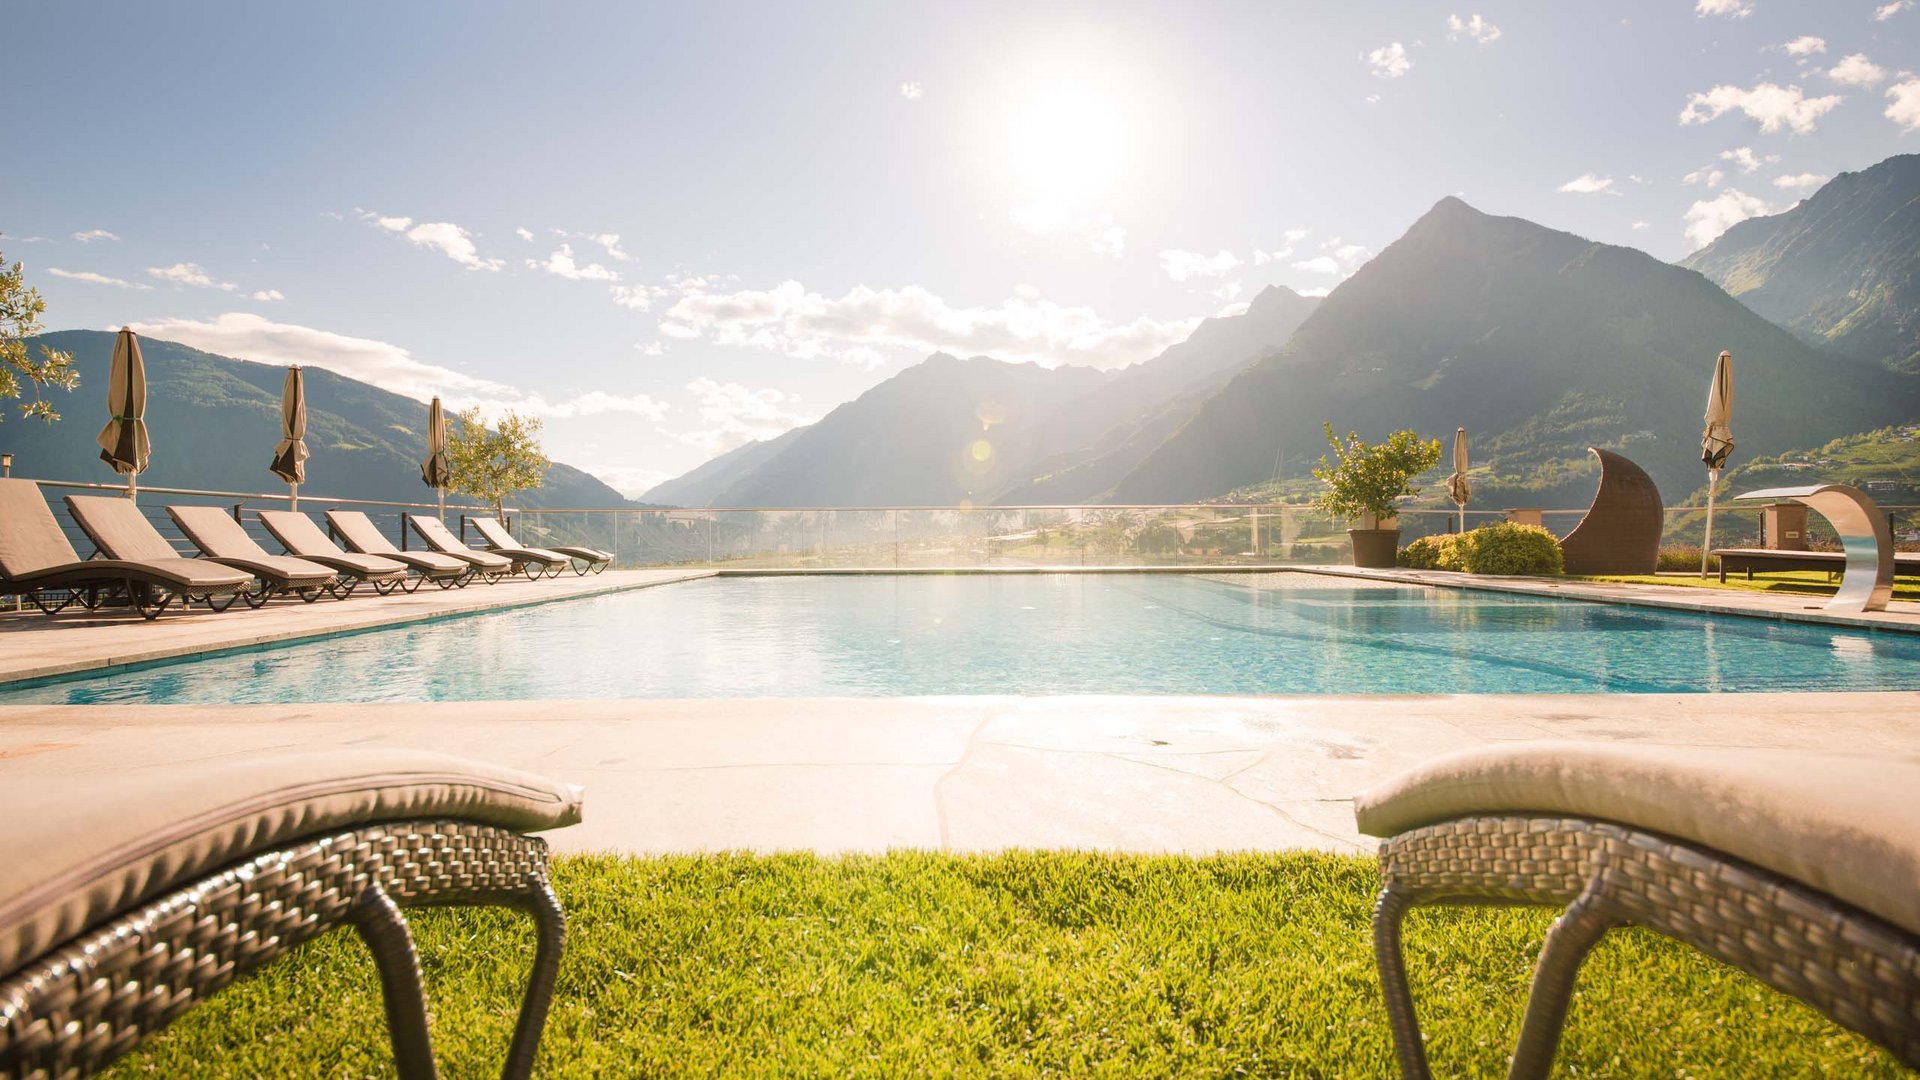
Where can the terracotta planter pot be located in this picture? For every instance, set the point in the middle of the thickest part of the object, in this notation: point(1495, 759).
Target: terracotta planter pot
point(1374, 548)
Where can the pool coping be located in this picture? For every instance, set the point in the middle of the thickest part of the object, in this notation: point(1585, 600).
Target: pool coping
point(389, 618)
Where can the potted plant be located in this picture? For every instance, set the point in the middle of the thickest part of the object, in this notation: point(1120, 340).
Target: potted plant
point(1364, 481)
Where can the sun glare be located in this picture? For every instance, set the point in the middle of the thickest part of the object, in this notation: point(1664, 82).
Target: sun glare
point(1067, 141)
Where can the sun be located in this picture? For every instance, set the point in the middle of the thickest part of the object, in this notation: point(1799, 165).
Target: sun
point(1066, 142)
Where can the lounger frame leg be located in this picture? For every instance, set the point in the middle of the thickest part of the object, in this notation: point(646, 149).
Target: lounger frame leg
point(384, 929)
point(551, 924)
point(1572, 936)
point(1389, 911)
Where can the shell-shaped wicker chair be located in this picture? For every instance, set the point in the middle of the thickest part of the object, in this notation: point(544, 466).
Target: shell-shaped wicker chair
point(130, 895)
point(1802, 870)
point(1620, 533)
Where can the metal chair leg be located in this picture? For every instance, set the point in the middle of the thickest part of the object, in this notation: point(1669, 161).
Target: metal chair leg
point(1388, 912)
point(384, 930)
point(1571, 937)
point(551, 923)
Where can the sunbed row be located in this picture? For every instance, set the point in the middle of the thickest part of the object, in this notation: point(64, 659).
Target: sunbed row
point(137, 564)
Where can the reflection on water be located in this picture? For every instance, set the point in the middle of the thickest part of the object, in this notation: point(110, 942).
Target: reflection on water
point(1048, 634)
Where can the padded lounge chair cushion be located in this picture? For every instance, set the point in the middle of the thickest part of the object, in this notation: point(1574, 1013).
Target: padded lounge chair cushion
point(303, 539)
point(80, 848)
point(1845, 826)
point(32, 546)
point(119, 528)
point(215, 533)
point(441, 539)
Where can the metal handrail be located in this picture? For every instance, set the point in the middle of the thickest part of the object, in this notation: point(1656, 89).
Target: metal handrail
point(266, 496)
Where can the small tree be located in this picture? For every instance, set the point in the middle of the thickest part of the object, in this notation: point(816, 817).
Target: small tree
point(1367, 479)
point(492, 463)
point(20, 309)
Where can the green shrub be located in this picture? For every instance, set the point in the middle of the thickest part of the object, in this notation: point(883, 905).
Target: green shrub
point(1437, 552)
point(1507, 548)
point(1683, 557)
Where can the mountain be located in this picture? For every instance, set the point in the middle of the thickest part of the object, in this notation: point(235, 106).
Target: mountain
point(942, 432)
point(1841, 268)
point(214, 422)
point(1103, 435)
point(702, 485)
point(1063, 434)
point(1539, 342)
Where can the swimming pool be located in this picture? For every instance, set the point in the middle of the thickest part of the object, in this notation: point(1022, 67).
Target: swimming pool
point(1041, 634)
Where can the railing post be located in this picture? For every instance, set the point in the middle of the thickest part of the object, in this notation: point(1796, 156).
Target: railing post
point(236, 513)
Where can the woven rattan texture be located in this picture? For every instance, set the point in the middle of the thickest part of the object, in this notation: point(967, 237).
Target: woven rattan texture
point(72, 1011)
point(1857, 970)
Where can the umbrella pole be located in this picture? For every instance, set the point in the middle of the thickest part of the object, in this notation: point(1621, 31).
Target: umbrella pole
point(293, 496)
point(1706, 545)
point(133, 486)
point(440, 501)
point(1463, 517)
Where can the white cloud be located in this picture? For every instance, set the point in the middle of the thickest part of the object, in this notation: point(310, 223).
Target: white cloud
point(1589, 184)
point(1314, 293)
point(1888, 11)
point(445, 237)
point(1706, 174)
point(524, 233)
point(269, 294)
point(651, 348)
point(1803, 180)
point(911, 91)
point(1097, 232)
point(735, 415)
point(1389, 61)
point(1181, 265)
point(637, 297)
point(1905, 109)
point(1748, 161)
point(1739, 9)
point(1320, 264)
point(1474, 27)
point(186, 273)
point(1639, 226)
point(1708, 218)
point(1774, 106)
point(610, 241)
point(92, 278)
point(1856, 70)
point(632, 481)
point(91, 235)
point(1231, 310)
point(1805, 45)
point(390, 367)
point(561, 264)
point(795, 322)
point(1228, 291)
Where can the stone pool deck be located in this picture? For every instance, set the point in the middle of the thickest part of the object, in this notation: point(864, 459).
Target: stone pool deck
point(1187, 774)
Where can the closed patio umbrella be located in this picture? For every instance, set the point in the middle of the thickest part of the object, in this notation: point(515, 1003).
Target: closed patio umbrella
point(1457, 486)
point(435, 470)
point(123, 442)
point(290, 456)
point(1716, 443)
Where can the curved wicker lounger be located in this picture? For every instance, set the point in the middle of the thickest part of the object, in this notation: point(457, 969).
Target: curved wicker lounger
point(222, 539)
point(487, 564)
point(582, 559)
point(154, 888)
point(305, 540)
point(1801, 870)
point(36, 560)
point(1620, 533)
point(360, 534)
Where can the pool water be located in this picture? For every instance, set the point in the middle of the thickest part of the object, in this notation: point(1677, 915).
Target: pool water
point(1042, 634)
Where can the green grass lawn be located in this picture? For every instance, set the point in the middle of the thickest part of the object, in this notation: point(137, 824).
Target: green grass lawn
point(1020, 964)
point(1805, 582)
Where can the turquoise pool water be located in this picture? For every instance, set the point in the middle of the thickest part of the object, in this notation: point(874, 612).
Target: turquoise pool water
point(1051, 634)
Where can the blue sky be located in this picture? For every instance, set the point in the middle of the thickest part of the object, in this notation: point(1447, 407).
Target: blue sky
point(809, 197)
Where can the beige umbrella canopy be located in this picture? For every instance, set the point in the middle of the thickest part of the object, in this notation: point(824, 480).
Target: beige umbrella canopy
point(435, 470)
point(1458, 489)
point(123, 442)
point(290, 456)
point(1716, 443)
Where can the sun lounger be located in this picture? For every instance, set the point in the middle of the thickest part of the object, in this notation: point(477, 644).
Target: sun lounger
point(501, 542)
point(360, 534)
point(221, 539)
point(303, 539)
point(1778, 560)
point(582, 559)
point(38, 563)
point(1800, 869)
point(486, 563)
point(130, 895)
